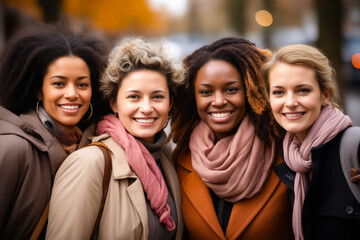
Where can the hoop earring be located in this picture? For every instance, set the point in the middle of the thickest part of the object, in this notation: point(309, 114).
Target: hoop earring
point(91, 113)
point(37, 107)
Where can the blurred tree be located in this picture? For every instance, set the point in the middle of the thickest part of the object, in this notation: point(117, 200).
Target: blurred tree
point(267, 32)
point(330, 34)
point(51, 10)
point(236, 9)
point(116, 16)
point(194, 26)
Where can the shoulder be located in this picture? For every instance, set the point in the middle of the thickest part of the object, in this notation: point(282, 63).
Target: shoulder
point(86, 159)
point(183, 165)
point(14, 148)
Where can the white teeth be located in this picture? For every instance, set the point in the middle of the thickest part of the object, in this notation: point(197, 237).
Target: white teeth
point(220, 115)
point(293, 114)
point(145, 120)
point(70, 107)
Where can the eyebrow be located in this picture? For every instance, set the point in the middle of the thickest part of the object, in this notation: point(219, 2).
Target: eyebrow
point(63, 77)
point(137, 91)
point(276, 87)
point(297, 86)
point(227, 84)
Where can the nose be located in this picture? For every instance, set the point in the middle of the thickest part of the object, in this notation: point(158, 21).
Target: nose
point(146, 106)
point(71, 92)
point(291, 101)
point(219, 99)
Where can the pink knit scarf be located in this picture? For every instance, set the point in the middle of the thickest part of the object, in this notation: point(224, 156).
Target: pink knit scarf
point(237, 166)
point(144, 165)
point(297, 155)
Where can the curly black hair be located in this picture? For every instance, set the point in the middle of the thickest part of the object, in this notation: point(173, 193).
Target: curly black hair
point(27, 56)
point(247, 59)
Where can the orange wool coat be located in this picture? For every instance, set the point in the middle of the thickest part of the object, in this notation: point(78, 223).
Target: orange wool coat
point(264, 216)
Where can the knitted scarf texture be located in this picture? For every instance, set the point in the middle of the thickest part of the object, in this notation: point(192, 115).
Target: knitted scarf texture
point(236, 167)
point(143, 164)
point(297, 155)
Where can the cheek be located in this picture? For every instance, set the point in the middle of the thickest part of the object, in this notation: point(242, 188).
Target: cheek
point(238, 101)
point(274, 104)
point(201, 103)
point(164, 109)
point(125, 109)
point(87, 96)
point(45, 93)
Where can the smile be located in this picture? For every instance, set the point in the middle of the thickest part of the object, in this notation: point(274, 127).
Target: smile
point(293, 114)
point(142, 120)
point(70, 107)
point(220, 115)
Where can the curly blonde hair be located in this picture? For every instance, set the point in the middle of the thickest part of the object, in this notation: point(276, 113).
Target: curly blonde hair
point(137, 53)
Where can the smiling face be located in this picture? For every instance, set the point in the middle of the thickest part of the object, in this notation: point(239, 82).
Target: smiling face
point(220, 97)
point(143, 103)
point(66, 90)
point(295, 97)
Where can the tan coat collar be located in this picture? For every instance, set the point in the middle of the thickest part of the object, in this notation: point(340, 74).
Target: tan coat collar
point(122, 170)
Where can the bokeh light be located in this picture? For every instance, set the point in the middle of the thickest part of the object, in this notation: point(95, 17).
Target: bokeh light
point(263, 18)
point(355, 59)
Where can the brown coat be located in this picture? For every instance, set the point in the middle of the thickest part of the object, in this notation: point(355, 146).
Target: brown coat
point(29, 157)
point(265, 216)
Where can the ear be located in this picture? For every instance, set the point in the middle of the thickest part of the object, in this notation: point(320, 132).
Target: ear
point(112, 104)
point(325, 97)
point(38, 95)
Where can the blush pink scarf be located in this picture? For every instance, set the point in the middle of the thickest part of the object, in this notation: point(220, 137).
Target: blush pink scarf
point(297, 155)
point(237, 166)
point(143, 164)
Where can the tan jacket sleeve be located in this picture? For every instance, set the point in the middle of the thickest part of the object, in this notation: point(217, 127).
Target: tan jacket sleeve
point(76, 195)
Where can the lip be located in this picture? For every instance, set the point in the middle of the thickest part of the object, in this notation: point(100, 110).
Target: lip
point(70, 108)
point(222, 116)
point(293, 115)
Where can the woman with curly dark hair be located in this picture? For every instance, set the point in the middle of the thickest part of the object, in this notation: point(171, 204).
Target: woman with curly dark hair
point(49, 80)
point(227, 148)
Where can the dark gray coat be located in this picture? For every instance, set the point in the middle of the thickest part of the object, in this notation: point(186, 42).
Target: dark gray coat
point(330, 210)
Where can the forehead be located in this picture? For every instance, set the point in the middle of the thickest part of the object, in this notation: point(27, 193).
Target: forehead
point(217, 72)
point(292, 74)
point(144, 80)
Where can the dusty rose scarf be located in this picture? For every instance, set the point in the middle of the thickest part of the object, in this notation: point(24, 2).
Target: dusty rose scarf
point(237, 166)
point(297, 156)
point(143, 164)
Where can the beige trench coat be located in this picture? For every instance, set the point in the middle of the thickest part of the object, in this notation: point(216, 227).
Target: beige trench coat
point(77, 193)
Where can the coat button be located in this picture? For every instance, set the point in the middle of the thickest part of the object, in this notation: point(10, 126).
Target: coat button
point(349, 210)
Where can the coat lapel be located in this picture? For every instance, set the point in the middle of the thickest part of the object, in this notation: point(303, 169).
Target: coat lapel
point(171, 178)
point(174, 186)
point(198, 194)
point(244, 211)
point(121, 170)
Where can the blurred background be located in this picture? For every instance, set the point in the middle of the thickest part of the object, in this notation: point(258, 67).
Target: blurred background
point(331, 25)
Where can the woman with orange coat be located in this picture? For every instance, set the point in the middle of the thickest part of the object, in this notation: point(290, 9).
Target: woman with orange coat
point(226, 149)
